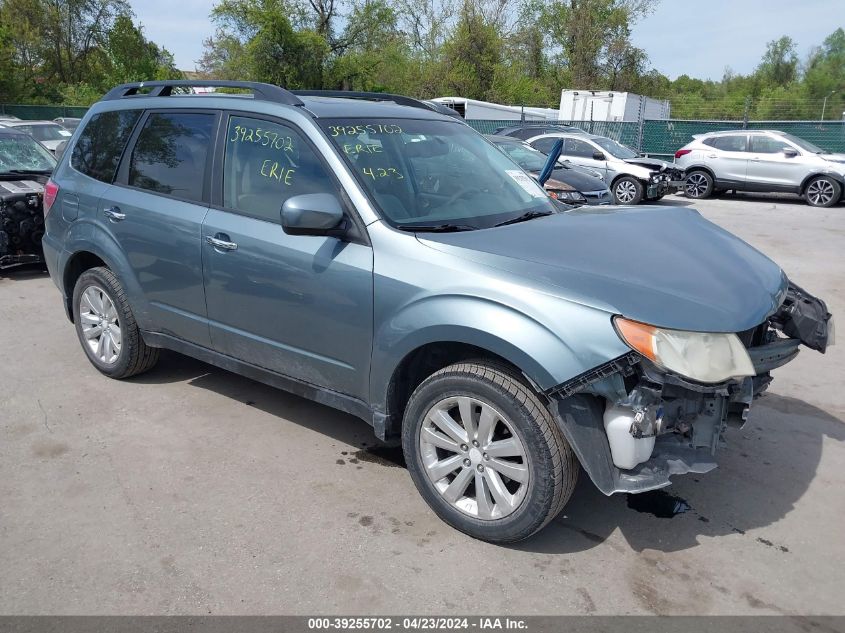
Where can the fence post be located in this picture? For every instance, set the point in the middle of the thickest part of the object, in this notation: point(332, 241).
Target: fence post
point(640, 123)
point(745, 112)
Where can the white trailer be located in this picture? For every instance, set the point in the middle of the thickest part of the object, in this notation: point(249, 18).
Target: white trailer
point(484, 110)
point(598, 105)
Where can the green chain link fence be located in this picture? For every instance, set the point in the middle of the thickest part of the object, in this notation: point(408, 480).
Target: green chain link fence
point(655, 138)
point(42, 112)
point(663, 138)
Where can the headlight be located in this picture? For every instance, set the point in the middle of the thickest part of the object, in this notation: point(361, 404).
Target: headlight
point(567, 196)
point(701, 356)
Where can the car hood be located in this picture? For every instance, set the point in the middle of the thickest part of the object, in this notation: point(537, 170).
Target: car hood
point(834, 158)
point(665, 266)
point(576, 179)
point(653, 164)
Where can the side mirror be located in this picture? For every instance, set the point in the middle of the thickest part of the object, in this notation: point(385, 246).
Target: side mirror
point(313, 214)
point(599, 156)
point(60, 149)
point(789, 152)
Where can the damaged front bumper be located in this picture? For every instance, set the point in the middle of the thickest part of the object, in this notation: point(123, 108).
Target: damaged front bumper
point(633, 425)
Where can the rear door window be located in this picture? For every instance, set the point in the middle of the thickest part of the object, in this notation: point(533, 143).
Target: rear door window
point(545, 145)
point(731, 143)
point(264, 164)
point(171, 153)
point(97, 151)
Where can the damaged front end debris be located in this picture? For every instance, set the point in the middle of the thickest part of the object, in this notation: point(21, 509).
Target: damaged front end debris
point(633, 423)
point(21, 221)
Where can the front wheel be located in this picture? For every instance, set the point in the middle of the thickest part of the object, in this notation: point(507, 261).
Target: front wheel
point(485, 453)
point(822, 192)
point(627, 191)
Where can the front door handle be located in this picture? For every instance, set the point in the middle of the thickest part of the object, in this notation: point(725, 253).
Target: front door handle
point(221, 244)
point(114, 214)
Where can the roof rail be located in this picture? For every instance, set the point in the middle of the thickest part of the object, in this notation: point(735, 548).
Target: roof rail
point(262, 91)
point(367, 96)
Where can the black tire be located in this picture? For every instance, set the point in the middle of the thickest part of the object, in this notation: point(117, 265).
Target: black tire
point(551, 464)
point(630, 190)
point(134, 356)
point(698, 185)
point(822, 191)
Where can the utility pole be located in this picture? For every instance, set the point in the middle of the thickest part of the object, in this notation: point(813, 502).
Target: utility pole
point(824, 103)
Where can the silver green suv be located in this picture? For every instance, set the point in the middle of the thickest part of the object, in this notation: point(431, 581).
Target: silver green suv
point(389, 261)
point(761, 160)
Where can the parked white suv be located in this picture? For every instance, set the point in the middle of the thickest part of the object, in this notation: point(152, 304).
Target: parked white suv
point(631, 178)
point(761, 160)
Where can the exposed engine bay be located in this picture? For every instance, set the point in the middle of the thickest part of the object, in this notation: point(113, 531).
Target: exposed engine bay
point(21, 220)
point(633, 424)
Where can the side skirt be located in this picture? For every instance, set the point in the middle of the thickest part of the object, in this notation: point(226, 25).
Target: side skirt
point(330, 398)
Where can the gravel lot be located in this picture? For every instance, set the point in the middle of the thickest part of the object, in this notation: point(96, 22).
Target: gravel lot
point(190, 490)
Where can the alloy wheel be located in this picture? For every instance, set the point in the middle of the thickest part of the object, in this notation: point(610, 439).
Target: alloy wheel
point(100, 325)
point(697, 185)
point(474, 458)
point(820, 192)
point(626, 191)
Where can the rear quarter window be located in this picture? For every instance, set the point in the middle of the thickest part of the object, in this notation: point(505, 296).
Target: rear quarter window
point(97, 151)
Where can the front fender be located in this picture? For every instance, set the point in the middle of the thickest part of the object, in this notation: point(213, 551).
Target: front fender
point(583, 339)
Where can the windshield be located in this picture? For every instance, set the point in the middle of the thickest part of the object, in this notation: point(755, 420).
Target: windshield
point(807, 146)
point(615, 149)
point(435, 173)
point(45, 132)
point(526, 157)
point(19, 152)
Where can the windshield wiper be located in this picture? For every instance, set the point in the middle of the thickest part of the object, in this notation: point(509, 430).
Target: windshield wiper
point(436, 228)
point(528, 215)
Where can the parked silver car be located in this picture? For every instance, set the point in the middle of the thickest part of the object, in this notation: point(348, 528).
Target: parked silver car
point(49, 133)
point(764, 160)
point(631, 177)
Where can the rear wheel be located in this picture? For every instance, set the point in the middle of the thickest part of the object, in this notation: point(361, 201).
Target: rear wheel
point(699, 184)
point(485, 453)
point(106, 326)
point(627, 191)
point(822, 192)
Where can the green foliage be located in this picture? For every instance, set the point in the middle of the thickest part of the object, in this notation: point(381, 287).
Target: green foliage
point(507, 51)
point(72, 51)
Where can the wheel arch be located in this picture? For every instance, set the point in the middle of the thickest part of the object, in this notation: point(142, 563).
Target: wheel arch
point(818, 174)
point(704, 168)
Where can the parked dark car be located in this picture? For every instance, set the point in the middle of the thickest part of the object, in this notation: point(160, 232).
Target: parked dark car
point(567, 183)
point(25, 166)
point(525, 131)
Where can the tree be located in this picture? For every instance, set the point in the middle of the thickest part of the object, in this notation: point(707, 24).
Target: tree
point(472, 54)
point(779, 65)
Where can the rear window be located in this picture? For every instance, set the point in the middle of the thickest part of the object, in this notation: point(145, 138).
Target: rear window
point(170, 154)
point(97, 151)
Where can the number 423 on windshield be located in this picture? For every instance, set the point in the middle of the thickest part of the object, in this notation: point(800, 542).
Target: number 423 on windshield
point(383, 172)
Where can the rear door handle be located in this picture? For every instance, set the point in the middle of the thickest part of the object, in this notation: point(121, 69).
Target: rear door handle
point(114, 214)
point(221, 242)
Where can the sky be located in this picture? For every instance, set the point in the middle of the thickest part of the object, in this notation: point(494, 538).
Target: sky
point(690, 37)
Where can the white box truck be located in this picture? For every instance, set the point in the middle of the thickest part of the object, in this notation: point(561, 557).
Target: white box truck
point(599, 105)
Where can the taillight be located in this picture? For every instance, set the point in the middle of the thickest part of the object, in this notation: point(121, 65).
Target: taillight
point(682, 152)
point(51, 190)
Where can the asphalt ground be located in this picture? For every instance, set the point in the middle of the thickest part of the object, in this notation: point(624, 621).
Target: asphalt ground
point(190, 490)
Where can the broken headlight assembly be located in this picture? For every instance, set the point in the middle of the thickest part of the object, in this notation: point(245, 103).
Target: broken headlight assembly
point(572, 197)
point(706, 357)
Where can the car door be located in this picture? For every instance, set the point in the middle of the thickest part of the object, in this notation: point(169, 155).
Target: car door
point(301, 306)
point(728, 157)
point(155, 212)
point(582, 152)
point(770, 168)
